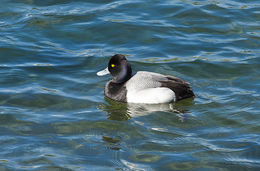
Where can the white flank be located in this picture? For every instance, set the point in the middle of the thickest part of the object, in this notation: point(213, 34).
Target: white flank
point(151, 96)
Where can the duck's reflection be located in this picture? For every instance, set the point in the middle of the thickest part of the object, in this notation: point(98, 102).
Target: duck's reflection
point(112, 142)
point(124, 111)
point(115, 110)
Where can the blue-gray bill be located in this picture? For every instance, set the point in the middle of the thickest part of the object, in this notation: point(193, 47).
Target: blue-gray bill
point(103, 72)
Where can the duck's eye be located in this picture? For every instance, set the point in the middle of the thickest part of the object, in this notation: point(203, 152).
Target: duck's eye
point(112, 65)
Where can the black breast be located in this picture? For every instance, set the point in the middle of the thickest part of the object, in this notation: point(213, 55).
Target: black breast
point(116, 91)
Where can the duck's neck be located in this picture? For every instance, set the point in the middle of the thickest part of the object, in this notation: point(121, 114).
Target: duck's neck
point(116, 91)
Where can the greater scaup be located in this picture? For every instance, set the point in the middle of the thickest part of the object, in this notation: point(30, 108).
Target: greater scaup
point(143, 87)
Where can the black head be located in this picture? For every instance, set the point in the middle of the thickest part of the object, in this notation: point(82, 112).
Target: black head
point(119, 68)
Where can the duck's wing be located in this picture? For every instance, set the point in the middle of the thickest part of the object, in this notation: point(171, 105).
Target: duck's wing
point(145, 87)
point(145, 80)
point(181, 88)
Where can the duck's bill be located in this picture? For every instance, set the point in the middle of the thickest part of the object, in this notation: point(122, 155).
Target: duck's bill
point(103, 72)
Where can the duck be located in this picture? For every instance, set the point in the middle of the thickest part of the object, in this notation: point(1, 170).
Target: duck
point(143, 86)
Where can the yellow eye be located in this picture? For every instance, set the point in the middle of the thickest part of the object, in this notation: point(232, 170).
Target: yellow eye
point(112, 65)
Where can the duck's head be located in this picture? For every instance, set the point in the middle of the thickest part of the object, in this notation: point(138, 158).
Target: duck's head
point(119, 68)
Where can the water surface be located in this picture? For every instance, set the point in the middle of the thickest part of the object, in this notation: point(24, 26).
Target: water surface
point(53, 114)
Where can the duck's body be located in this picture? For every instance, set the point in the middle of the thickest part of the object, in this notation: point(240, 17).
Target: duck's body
point(143, 87)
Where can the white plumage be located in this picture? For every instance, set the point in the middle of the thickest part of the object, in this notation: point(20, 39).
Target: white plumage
point(145, 87)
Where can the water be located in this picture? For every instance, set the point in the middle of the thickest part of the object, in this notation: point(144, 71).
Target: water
point(53, 112)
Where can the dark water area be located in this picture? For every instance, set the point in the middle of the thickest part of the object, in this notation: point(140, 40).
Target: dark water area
point(53, 114)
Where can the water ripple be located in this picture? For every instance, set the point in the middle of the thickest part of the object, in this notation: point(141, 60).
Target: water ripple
point(53, 114)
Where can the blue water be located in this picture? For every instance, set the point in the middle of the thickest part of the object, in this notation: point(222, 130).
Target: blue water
point(53, 114)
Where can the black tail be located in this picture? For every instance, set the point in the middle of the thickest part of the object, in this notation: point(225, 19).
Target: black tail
point(181, 88)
